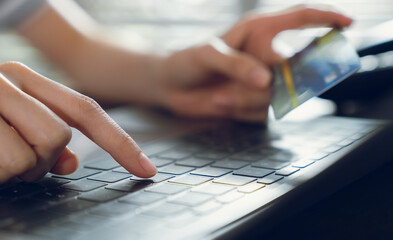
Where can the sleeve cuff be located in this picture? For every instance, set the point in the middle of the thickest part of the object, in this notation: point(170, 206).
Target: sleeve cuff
point(12, 12)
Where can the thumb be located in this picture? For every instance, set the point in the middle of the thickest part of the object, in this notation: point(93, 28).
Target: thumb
point(236, 65)
point(67, 163)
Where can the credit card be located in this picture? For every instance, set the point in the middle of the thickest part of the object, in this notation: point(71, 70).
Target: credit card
point(325, 62)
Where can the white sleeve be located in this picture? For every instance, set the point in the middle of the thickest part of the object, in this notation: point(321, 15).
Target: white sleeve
point(14, 11)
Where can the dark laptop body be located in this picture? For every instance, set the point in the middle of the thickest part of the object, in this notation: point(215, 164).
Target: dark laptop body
point(240, 175)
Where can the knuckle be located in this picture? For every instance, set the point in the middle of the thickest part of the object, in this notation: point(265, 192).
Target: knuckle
point(62, 135)
point(88, 106)
point(57, 137)
point(17, 70)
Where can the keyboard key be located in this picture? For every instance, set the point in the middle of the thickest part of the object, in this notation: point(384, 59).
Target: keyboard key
point(161, 162)
point(120, 170)
point(113, 209)
point(142, 198)
point(283, 156)
point(246, 156)
point(345, 142)
point(302, 163)
point(230, 164)
point(213, 189)
point(332, 148)
point(234, 180)
point(194, 162)
point(135, 227)
point(155, 148)
point(356, 136)
point(251, 187)
point(101, 195)
point(212, 155)
point(10, 208)
point(191, 199)
point(207, 208)
point(253, 172)
point(85, 218)
point(330, 138)
point(159, 177)
point(103, 163)
point(191, 179)
point(211, 172)
point(166, 209)
point(174, 154)
point(265, 150)
point(366, 129)
point(229, 197)
point(72, 206)
point(109, 177)
point(167, 188)
point(55, 195)
point(269, 164)
point(191, 147)
point(20, 190)
point(181, 220)
point(47, 221)
point(53, 233)
point(49, 182)
point(83, 185)
point(318, 155)
point(231, 149)
point(78, 174)
point(65, 223)
point(287, 171)
point(174, 169)
point(128, 186)
point(270, 179)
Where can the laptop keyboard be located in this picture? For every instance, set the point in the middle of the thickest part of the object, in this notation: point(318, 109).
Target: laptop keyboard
point(198, 175)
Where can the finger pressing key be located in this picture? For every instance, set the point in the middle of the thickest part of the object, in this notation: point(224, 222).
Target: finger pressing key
point(86, 115)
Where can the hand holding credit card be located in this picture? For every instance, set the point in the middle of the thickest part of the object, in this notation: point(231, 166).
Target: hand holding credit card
point(325, 62)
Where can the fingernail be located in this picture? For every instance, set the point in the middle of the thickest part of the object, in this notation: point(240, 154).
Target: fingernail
point(146, 164)
point(259, 77)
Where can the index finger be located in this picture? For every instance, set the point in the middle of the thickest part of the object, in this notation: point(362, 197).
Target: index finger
point(86, 115)
point(301, 16)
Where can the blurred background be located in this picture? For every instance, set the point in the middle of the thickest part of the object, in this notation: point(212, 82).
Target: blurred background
point(169, 25)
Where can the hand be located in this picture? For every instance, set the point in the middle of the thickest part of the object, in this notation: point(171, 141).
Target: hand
point(254, 34)
point(36, 116)
point(230, 77)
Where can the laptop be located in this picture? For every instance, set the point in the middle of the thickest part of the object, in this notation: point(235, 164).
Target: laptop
point(214, 178)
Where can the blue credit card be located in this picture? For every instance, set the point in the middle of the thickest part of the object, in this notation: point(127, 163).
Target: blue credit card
point(325, 62)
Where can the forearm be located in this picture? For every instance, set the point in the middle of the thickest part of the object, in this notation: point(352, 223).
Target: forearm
point(102, 68)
